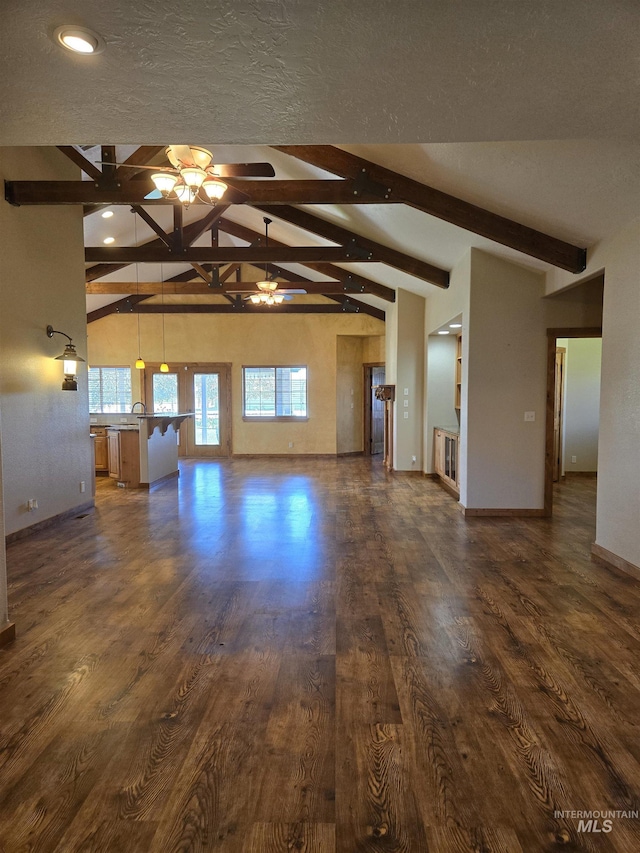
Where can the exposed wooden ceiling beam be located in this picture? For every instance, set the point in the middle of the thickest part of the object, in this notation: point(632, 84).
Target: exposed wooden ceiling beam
point(354, 282)
point(80, 160)
point(146, 217)
point(366, 249)
point(347, 305)
point(134, 192)
point(217, 254)
point(200, 288)
point(370, 178)
point(122, 306)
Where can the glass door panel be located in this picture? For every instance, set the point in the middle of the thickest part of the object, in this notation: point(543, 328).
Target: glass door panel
point(206, 396)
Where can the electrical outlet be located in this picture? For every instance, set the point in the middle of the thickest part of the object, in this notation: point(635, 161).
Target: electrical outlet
point(406, 416)
point(32, 504)
point(574, 459)
point(529, 416)
point(123, 420)
point(406, 392)
point(290, 445)
point(93, 420)
point(83, 486)
point(406, 404)
point(413, 459)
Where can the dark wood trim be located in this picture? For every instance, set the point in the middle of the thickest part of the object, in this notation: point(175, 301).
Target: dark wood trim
point(206, 223)
point(367, 249)
point(121, 306)
point(552, 338)
point(7, 634)
point(146, 217)
point(77, 157)
point(366, 400)
point(611, 559)
point(48, 522)
point(199, 288)
point(392, 186)
point(134, 192)
point(353, 283)
point(243, 307)
point(217, 254)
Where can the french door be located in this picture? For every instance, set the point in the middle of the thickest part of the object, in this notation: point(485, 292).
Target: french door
point(204, 390)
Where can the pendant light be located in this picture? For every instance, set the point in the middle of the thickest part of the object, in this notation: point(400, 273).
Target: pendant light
point(164, 367)
point(139, 361)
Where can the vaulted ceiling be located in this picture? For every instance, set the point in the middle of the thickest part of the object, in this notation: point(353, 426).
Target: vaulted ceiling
point(526, 116)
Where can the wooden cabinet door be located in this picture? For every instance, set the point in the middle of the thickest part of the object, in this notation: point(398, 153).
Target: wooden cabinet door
point(102, 454)
point(113, 439)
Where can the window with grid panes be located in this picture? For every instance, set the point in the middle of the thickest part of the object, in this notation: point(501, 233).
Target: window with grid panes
point(275, 392)
point(109, 389)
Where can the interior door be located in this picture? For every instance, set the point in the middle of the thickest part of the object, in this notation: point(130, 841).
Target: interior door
point(206, 394)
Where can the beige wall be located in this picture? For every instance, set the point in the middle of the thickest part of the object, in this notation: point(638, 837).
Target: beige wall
point(305, 339)
point(618, 508)
point(408, 361)
point(45, 431)
point(508, 319)
point(349, 390)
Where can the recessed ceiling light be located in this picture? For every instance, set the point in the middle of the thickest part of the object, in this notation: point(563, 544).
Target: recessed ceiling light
point(109, 240)
point(444, 332)
point(79, 39)
point(107, 214)
point(451, 325)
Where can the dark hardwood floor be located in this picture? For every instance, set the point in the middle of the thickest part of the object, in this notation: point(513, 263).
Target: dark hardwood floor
point(274, 655)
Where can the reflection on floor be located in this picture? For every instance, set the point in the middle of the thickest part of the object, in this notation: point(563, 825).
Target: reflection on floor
point(314, 655)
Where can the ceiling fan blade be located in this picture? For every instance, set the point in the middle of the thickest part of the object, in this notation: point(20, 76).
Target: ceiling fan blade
point(245, 170)
point(154, 194)
point(138, 167)
point(182, 154)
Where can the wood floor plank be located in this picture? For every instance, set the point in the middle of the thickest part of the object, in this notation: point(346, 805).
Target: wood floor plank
point(317, 655)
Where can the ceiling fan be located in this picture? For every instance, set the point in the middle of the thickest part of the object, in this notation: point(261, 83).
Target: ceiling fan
point(268, 292)
point(192, 175)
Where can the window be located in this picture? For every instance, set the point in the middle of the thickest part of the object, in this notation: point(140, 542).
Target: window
point(109, 389)
point(275, 392)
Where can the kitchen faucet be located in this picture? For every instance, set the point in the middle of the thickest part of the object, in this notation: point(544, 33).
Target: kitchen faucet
point(139, 403)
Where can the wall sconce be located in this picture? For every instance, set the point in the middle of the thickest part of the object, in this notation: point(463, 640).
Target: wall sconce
point(70, 358)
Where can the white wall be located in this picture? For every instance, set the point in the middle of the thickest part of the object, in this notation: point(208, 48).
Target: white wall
point(440, 385)
point(4, 609)
point(581, 403)
point(45, 431)
point(618, 507)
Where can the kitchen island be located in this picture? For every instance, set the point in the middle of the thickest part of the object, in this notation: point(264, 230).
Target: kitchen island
point(144, 453)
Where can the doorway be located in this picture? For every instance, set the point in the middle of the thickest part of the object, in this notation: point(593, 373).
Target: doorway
point(204, 390)
point(374, 375)
point(555, 461)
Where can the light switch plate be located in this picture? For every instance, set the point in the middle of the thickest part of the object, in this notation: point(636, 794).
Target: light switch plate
point(529, 416)
point(406, 416)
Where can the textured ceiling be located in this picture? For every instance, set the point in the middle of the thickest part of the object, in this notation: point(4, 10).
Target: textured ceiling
point(244, 71)
point(526, 107)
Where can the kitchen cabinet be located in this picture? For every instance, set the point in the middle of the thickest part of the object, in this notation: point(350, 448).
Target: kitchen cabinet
point(446, 461)
point(101, 449)
point(124, 456)
point(113, 442)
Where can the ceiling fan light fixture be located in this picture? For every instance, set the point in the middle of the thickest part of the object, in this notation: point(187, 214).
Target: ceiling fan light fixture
point(193, 176)
point(164, 182)
point(214, 187)
point(277, 298)
point(267, 285)
point(255, 298)
point(184, 193)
